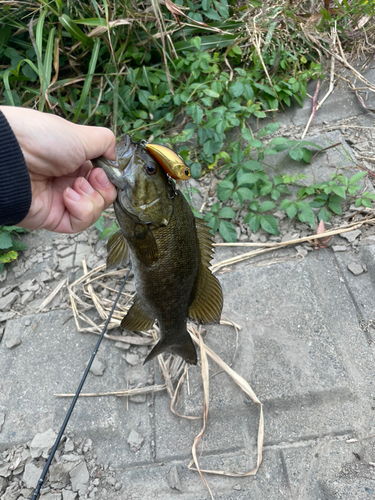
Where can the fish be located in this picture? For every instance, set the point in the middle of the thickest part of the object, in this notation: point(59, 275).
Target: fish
point(171, 162)
point(169, 248)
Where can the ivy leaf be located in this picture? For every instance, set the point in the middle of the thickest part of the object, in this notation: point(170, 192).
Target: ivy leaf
point(357, 177)
point(5, 240)
point(285, 204)
point(214, 224)
point(228, 231)
point(236, 89)
point(246, 193)
point(336, 208)
point(254, 221)
point(8, 257)
point(324, 215)
point(246, 134)
point(296, 154)
point(266, 205)
point(269, 224)
point(227, 213)
point(248, 179)
point(197, 114)
point(305, 213)
point(291, 211)
point(340, 191)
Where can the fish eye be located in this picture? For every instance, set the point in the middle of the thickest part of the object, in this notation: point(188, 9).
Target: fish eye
point(151, 168)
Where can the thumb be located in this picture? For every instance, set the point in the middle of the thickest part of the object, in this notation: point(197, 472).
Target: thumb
point(97, 141)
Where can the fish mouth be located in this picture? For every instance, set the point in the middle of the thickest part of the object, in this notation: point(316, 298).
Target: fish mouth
point(114, 174)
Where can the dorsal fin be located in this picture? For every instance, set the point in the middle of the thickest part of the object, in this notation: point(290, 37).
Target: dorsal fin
point(118, 250)
point(208, 296)
point(137, 319)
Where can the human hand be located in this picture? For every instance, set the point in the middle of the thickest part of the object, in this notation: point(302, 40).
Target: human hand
point(67, 194)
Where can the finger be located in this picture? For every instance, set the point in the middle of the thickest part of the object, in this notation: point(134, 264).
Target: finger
point(97, 141)
point(85, 204)
point(99, 181)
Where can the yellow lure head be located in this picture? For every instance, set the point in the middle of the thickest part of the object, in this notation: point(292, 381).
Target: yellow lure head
point(171, 162)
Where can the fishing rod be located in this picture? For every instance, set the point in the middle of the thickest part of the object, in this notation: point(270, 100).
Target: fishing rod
point(68, 415)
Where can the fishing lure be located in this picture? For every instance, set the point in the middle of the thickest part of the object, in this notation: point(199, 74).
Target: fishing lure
point(171, 162)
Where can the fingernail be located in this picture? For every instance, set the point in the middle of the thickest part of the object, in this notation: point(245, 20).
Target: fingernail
point(73, 195)
point(86, 187)
point(102, 179)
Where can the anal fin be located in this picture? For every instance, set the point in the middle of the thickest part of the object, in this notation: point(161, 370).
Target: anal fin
point(118, 251)
point(137, 319)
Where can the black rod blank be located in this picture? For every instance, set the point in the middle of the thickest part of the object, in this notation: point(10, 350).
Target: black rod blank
point(68, 415)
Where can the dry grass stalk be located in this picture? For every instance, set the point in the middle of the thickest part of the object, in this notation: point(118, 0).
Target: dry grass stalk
point(245, 386)
point(52, 295)
point(206, 402)
point(249, 255)
point(120, 393)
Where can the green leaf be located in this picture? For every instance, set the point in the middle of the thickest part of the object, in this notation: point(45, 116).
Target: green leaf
point(340, 191)
point(254, 222)
point(324, 215)
point(73, 29)
point(106, 232)
point(227, 213)
point(236, 89)
point(211, 93)
point(269, 224)
point(246, 193)
point(18, 245)
point(254, 143)
point(296, 154)
point(99, 224)
point(8, 257)
point(197, 114)
point(214, 224)
point(196, 170)
point(228, 231)
point(88, 80)
point(336, 208)
point(248, 179)
point(5, 240)
point(196, 42)
point(285, 204)
point(291, 210)
point(366, 203)
point(266, 205)
point(305, 213)
point(357, 177)
point(246, 134)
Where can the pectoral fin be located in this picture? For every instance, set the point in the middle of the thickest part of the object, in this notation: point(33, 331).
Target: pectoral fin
point(118, 251)
point(208, 296)
point(137, 319)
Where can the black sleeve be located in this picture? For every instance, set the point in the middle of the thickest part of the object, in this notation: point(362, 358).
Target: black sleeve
point(15, 186)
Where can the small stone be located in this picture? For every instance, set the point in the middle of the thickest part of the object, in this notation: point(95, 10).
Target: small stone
point(80, 477)
point(138, 398)
point(65, 263)
point(123, 346)
point(3, 484)
point(135, 441)
point(2, 420)
point(13, 342)
point(69, 446)
point(174, 479)
point(83, 250)
point(42, 444)
point(118, 486)
point(132, 359)
point(7, 301)
point(31, 475)
point(66, 251)
point(111, 480)
point(97, 368)
point(237, 487)
point(27, 322)
point(7, 315)
point(355, 268)
point(351, 235)
point(59, 473)
point(52, 495)
point(4, 471)
point(279, 215)
point(69, 495)
point(339, 248)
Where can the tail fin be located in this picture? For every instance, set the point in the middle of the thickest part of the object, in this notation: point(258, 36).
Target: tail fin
point(185, 349)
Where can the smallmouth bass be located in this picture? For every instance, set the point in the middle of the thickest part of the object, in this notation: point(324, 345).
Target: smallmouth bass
point(170, 250)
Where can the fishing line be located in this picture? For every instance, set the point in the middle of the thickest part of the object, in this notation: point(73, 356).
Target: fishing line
point(52, 454)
